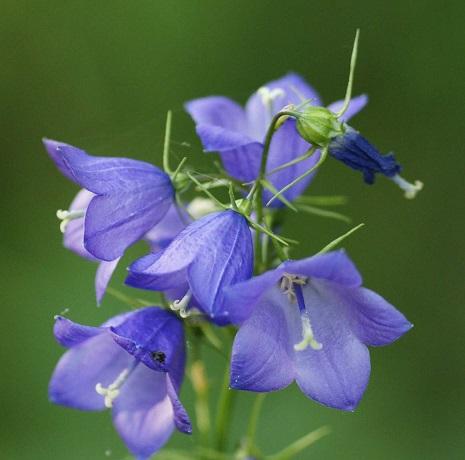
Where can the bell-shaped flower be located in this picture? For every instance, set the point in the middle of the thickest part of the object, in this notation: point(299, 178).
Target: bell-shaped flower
point(310, 321)
point(238, 134)
point(134, 364)
point(131, 197)
point(210, 254)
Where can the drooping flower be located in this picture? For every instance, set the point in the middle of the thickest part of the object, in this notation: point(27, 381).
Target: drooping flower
point(212, 253)
point(131, 197)
point(356, 152)
point(323, 128)
point(238, 134)
point(133, 363)
point(310, 321)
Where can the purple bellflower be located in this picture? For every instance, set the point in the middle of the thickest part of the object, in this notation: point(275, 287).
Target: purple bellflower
point(212, 253)
point(310, 321)
point(131, 197)
point(119, 230)
point(238, 134)
point(134, 364)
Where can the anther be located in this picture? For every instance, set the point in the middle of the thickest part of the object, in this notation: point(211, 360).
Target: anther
point(410, 189)
point(288, 282)
point(67, 216)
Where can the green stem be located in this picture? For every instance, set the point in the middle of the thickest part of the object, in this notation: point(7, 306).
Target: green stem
point(253, 422)
point(258, 192)
point(301, 444)
point(166, 144)
point(303, 157)
point(224, 413)
point(353, 61)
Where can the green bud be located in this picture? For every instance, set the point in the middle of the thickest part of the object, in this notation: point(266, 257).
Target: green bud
point(318, 125)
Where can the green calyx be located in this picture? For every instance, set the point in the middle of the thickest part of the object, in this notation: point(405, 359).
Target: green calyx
point(318, 125)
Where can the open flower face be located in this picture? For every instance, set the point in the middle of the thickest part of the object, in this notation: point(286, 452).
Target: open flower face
point(310, 321)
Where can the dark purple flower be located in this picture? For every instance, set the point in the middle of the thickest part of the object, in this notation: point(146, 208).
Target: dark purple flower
point(131, 197)
point(356, 152)
point(133, 363)
point(212, 253)
point(238, 134)
point(311, 321)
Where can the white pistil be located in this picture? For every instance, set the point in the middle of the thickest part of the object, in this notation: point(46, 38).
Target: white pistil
point(410, 189)
point(182, 305)
point(111, 392)
point(287, 285)
point(268, 96)
point(67, 216)
point(308, 338)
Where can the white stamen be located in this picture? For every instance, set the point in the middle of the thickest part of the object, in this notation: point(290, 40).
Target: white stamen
point(268, 96)
point(182, 305)
point(410, 190)
point(308, 338)
point(67, 216)
point(287, 285)
point(111, 392)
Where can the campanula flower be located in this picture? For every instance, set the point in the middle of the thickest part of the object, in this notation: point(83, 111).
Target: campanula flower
point(131, 197)
point(324, 128)
point(212, 253)
point(134, 364)
point(310, 321)
point(356, 152)
point(238, 134)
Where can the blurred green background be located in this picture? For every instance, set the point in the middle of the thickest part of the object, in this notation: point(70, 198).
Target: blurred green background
point(101, 75)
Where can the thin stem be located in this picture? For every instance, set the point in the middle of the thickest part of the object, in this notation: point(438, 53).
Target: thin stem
point(206, 191)
point(301, 444)
point(324, 154)
point(224, 412)
point(253, 422)
point(303, 157)
point(166, 144)
point(202, 411)
point(353, 61)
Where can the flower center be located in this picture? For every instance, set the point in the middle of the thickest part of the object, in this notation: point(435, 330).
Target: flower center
point(410, 189)
point(111, 392)
point(268, 96)
point(67, 216)
point(291, 285)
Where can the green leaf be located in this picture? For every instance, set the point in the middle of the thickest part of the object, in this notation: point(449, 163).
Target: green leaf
point(323, 213)
point(335, 242)
point(322, 200)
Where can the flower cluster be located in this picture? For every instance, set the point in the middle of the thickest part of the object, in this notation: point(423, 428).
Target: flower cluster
point(221, 265)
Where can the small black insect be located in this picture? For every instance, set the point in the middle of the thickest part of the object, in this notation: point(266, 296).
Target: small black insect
point(158, 356)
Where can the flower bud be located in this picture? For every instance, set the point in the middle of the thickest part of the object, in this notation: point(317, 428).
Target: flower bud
point(318, 125)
